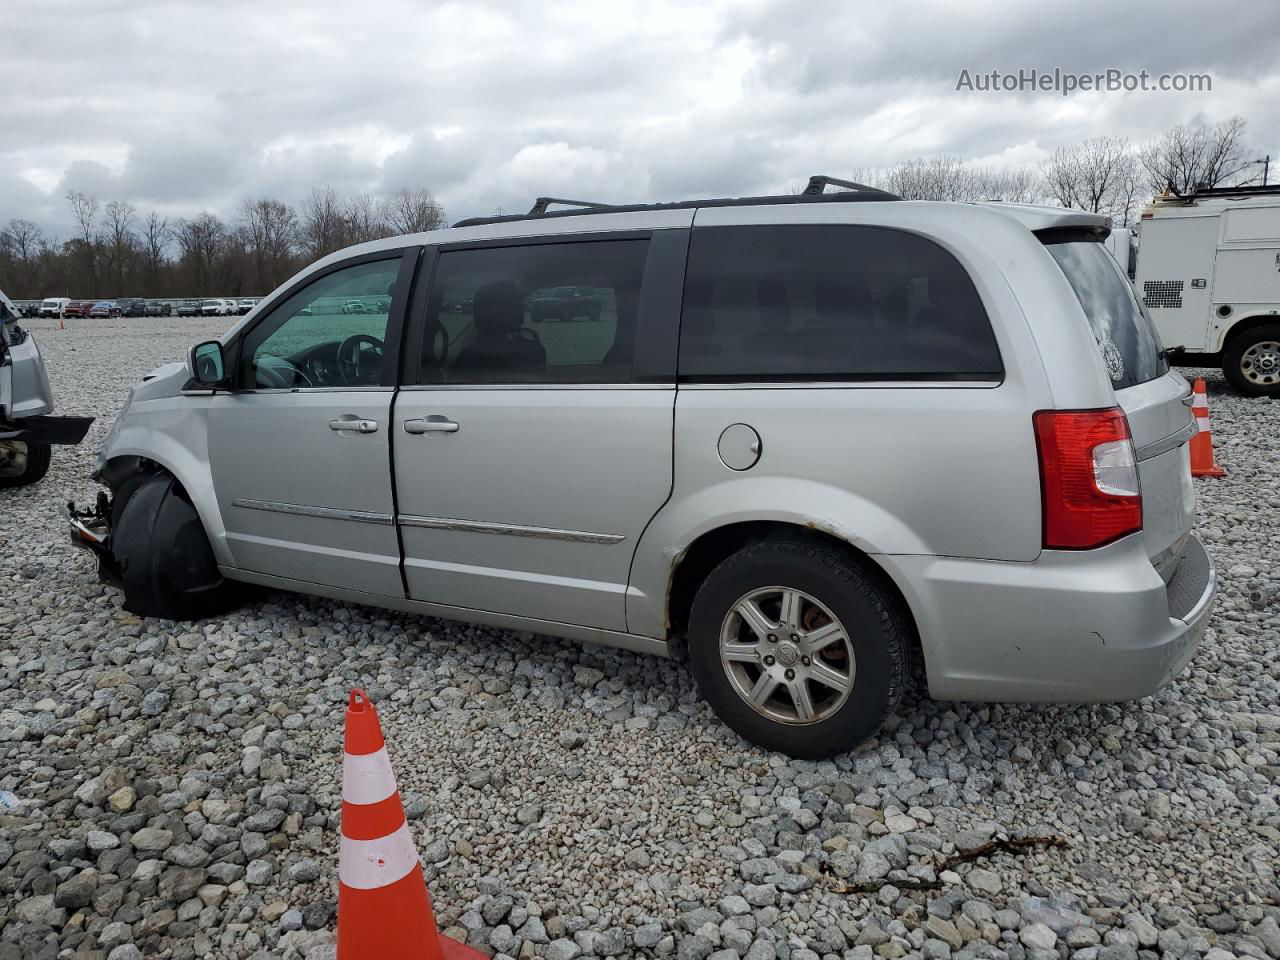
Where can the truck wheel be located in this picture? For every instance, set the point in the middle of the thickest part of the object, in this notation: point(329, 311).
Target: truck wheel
point(1251, 362)
point(165, 561)
point(798, 647)
point(23, 463)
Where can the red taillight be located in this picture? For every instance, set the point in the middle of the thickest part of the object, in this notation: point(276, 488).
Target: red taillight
point(1088, 478)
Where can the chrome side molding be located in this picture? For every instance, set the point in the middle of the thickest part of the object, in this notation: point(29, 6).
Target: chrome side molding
point(325, 513)
point(510, 529)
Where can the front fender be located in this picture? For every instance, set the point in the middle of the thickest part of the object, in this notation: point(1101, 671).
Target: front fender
point(173, 432)
point(803, 504)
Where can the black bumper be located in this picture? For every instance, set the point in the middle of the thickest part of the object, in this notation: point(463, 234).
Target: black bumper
point(61, 431)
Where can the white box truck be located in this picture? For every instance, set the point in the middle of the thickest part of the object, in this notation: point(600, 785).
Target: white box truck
point(1208, 272)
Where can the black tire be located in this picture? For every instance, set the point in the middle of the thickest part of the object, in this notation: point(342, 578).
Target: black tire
point(38, 457)
point(880, 637)
point(166, 566)
point(1235, 363)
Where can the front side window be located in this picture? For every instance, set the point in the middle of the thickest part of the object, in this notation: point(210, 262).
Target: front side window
point(318, 337)
point(536, 313)
point(830, 302)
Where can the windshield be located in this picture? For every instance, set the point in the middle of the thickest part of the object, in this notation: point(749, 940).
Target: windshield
point(1124, 333)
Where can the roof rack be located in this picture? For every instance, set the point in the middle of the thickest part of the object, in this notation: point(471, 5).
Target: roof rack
point(1245, 191)
point(819, 182)
point(540, 205)
point(812, 193)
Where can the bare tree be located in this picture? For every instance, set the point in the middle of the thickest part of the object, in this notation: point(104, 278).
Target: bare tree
point(1097, 175)
point(201, 243)
point(1016, 185)
point(323, 222)
point(271, 229)
point(364, 221)
point(155, 243)
point(120, 241)
point(1186, 157)
point(84, 208)
point(412, 211)
point(24, 240)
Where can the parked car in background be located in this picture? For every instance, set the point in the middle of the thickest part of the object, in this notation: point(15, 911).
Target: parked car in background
point(1208, 272)
point(189, 308)
point(213, 308)
point(104, 308)
point(28, 429)
point(53, 306)
point(78, 308)
point(353, 306)
point(131, 306)
point(821, 438)
point(246, 304)
point(563, 303)
point(156, 308)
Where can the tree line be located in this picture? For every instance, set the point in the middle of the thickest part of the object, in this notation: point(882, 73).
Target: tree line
point(1108, 175)
point(117, 251)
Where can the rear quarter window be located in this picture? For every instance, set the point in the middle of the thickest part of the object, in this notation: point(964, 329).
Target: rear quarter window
point(1124, 333)
point(830, 302)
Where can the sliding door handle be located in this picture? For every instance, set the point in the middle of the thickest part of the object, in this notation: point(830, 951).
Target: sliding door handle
point(431, 424)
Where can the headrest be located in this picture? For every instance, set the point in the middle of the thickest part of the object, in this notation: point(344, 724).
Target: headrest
point(498, 308)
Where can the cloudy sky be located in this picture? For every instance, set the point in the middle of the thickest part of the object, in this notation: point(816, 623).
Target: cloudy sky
point(190, 106)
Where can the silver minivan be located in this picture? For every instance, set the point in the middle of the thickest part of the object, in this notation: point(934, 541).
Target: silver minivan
point(811, 441)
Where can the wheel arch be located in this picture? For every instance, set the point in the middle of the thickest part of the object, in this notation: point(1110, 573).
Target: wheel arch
point(1245, 325)
point(196, 484)
point(700, 557)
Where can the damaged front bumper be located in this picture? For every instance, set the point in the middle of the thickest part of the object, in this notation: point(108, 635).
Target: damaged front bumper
point(90, 529)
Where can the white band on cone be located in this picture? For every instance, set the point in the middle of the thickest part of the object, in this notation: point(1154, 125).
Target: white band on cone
point(367, 778)
point(369, 864)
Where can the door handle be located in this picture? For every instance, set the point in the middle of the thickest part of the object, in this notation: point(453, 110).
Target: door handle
point(353, 424)
point(432, 424)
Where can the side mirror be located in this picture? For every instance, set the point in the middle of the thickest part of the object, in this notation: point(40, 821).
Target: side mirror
point(205, 364)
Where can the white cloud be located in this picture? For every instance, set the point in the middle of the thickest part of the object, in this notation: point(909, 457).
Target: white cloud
point(184, 106)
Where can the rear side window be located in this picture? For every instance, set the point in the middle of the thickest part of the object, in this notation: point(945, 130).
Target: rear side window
point(534, 313)
point(1124, 333)
point(830, 302)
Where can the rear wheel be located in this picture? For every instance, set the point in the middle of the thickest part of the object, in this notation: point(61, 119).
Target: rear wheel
point(798, 647)
point(23, 463)
point(166, 565)
point(1251, 361)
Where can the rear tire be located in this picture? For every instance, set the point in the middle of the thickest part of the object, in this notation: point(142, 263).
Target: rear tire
point(38, 458)
point(166, 565)
point(843, 650)
point(1251, 361)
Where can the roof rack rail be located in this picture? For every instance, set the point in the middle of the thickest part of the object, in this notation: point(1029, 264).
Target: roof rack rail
point(540, 205)
point(1250, 190)
point(818, 183)
point(813, 193)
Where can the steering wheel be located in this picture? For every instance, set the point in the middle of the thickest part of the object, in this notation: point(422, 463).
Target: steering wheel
point(288, 378)
point(443, 336)
point(354, 363)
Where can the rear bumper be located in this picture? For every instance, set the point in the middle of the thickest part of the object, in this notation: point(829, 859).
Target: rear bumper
point(1075, 627)
point(66, 431)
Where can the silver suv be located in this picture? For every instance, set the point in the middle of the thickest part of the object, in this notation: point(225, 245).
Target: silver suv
point(812, 440)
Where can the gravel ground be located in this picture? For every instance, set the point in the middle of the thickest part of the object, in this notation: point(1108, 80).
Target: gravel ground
point(179, 784)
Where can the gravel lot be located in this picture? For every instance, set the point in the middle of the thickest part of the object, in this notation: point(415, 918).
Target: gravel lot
point(180, 783)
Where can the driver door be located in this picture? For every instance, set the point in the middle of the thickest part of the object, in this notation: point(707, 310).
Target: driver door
point(299, 448)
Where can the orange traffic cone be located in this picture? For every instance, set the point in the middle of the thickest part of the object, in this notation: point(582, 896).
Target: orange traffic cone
point(1202, 463)
point(384, 909)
